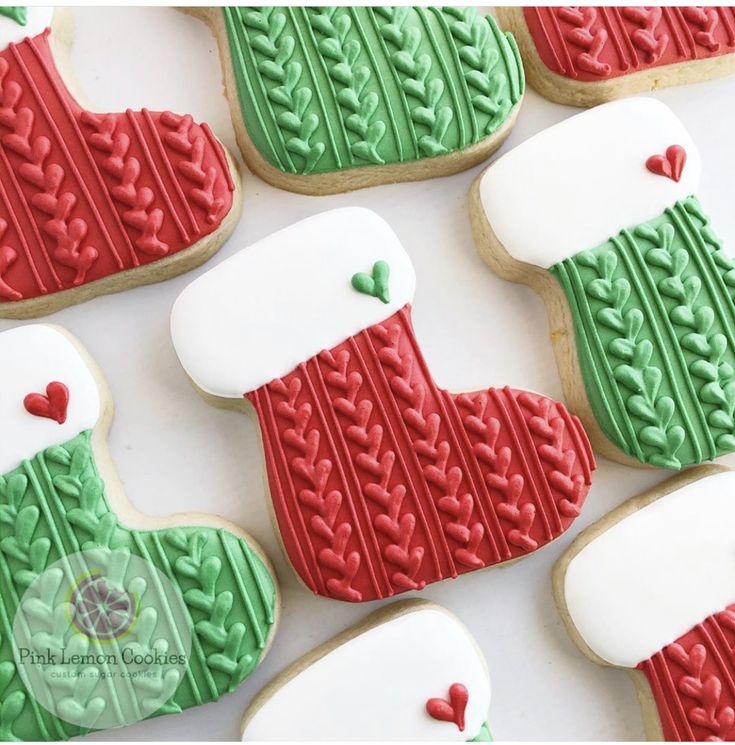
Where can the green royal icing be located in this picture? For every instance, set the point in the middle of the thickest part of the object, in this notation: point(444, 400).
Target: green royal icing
point(654, 320)
point(375, 284)
point(328, 89)
point(54, 506)
point(17, 13)
point(484, 735)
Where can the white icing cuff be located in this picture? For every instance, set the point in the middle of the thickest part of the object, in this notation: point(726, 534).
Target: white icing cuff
point(652, 577)
point(38, 20)
point(271, 306)
point(32, 357)
point(376, 686)
point(579, 183)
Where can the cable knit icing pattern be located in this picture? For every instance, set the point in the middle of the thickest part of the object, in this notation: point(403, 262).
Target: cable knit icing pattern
point(599, 43)
point(381, 481)
point(327, 89)
point(86, 196)
point(654, 314)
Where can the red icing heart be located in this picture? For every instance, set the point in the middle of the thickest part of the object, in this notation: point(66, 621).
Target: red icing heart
point(452, 710)
point(670, 165)
point(51, 406)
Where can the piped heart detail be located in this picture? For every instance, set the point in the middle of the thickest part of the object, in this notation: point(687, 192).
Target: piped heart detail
point(376, 284)
point(670, 165)
point(452, 710)
point(53, 405)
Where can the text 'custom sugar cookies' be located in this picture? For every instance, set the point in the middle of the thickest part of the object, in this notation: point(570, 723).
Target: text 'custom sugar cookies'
point(651, 588)
point(109, 617)
point(381, 482)
point(96, 203)
point(585, 56)
point(331, 99)
point(641, 295)
point(410, 672)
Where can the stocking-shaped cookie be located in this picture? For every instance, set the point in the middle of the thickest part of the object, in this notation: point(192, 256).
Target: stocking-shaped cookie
point(641, 295)
point(651, 588)
point(326, 100)
point(92, 203)
point(409, 672)
point(381, 481)
point(588, 55)
point(200, 588)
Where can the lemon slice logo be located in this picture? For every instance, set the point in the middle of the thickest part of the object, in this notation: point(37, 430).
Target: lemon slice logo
point(101, 610)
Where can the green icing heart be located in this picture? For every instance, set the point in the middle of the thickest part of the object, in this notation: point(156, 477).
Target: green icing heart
point(335, 88)
point(484, 735)
point(53, 506)
point(19, 13)
point(376, 284)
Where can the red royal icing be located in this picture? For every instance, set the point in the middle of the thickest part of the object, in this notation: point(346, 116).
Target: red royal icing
point(451, 710)
point(382, 482)
point(53, 405)
point(670, 165)
point(596, 43)
point(693, 682)
point(85, 196)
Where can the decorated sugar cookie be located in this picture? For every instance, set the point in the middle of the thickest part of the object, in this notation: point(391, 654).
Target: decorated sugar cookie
point(381, 482)
point(641, 295)
point(651, 588)
point(332, 99)
point(421, 677)
point(107, 617)
point(584, 56)
point(93, 203)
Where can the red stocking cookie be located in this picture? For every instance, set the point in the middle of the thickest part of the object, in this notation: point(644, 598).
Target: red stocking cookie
point(588, 55)
point(381, 481)
point(651, 588)
point(94, 203)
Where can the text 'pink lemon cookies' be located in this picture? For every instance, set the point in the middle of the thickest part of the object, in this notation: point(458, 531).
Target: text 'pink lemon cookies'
point(380, 481)
point(584, 56)
point(108, 617)
point(640, 294)
point(92, 203)
point(651, 588)
point(331, 99)
point(409, 672)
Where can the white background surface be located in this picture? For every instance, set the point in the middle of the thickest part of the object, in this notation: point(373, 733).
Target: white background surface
point(175, 453)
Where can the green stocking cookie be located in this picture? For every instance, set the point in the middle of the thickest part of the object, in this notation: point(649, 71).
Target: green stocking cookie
point(326, 100)
point(106, 617)
point(640, 291)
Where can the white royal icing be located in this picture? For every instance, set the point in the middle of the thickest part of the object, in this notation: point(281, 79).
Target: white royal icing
point(579, 183)
point(375, 687)
point(31, 357)
point(273, 305)
point(652, 577)
point(39, 19)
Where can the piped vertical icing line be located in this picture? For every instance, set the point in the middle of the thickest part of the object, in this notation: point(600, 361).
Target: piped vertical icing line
point(381, 481)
